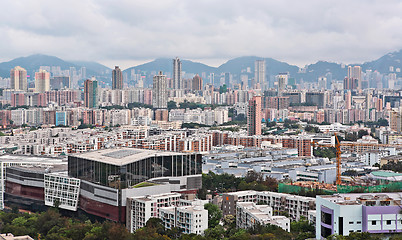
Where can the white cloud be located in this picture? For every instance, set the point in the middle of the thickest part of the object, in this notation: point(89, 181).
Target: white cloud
point(127, 31)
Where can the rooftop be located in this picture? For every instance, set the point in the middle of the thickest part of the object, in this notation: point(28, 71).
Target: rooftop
point(358, 198)
point(123, 156)
point(386, 174)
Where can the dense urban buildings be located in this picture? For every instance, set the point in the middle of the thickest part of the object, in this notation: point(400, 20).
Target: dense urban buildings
point(134, 153)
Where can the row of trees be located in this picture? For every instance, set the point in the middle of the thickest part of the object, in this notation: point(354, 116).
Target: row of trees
point(219, 183)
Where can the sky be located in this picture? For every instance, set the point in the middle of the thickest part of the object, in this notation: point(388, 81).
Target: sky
point(131, 32)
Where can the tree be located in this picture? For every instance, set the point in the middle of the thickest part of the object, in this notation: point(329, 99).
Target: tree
point(302, 229)
point(217, 232)
point(362, 133)
point(252, 176)
point(156, 224)
point(171, 105)
point(214, 215)
point(271, 124)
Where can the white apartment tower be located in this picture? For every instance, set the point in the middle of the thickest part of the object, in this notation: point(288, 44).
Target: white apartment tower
point(159, 95)
point(259, 74)
point(177, 81)
point(18, 79)
point(42, 81)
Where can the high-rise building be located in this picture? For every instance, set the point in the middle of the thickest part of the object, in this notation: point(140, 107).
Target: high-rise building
point(227, 79)
point(83, 73)
point(254, 116)
point(117, 78)
point(259, 74)
point(91, 93)
point(282, 80)
point(212, 78)
point(18, 79)
point(322, 83)
point(59, 82)
point(159, 95)
point(177, 81)
point(73, 78)
point(197, 83)
point(42, 81)
point(355, 74)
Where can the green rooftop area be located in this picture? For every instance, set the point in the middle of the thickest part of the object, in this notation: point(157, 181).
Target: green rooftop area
point(144, 184)
point(385, 174)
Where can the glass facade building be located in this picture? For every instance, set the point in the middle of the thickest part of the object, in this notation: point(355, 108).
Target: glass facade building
point(126, 174)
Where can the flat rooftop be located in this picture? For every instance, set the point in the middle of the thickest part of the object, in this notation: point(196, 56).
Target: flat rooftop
point(355, 198)
point(31, 159)
point(123, 156)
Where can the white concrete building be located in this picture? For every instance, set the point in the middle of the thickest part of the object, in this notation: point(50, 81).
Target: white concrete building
point(140, 209)
point(249, 214)
point(62, 190)
point(296, 206)
point(343, 214)
point(191, 219)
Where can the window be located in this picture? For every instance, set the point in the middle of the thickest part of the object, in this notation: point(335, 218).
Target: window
point(358, 222)
point(373, 222)
point(388, 222)
point(350, 222)
point(350, 231)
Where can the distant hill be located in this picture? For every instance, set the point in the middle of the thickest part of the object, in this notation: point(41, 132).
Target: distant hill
point(384, 63)
point(166, 65)
point(273, 66)
point(235, 66)
point(93, 66)
point(311, 72)
point(320, 68)
point(34, 62)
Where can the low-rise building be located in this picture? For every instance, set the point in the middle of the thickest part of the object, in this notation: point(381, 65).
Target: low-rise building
point(343, 214)
point(191, 219)
point(295, 206)
point(141, 209)
point(249, 214)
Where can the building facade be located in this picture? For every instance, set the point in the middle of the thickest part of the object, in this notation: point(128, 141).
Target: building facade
point(159, 95)
point(177, 81)
point(259, 74)
point(343, 214)
point(42, 81)
point(254, 116)
point(18, 79)
point(117, 78)
point(91, 93)
point(249, 214)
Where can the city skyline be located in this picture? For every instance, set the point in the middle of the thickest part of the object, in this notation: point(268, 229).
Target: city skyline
point(305, 33)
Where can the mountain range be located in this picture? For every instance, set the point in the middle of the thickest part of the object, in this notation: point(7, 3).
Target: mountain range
point(235, 66)
point(33, 62)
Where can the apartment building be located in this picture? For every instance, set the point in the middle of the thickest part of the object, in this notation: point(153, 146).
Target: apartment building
point(343, 214)
point(141, 209)
point(248, 214)
point(295, 206)
point(191, 219)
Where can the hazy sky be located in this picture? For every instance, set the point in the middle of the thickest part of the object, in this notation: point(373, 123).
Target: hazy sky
point(129, 32)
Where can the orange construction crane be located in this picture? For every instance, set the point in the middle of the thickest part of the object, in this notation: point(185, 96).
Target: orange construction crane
point(338, 145)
